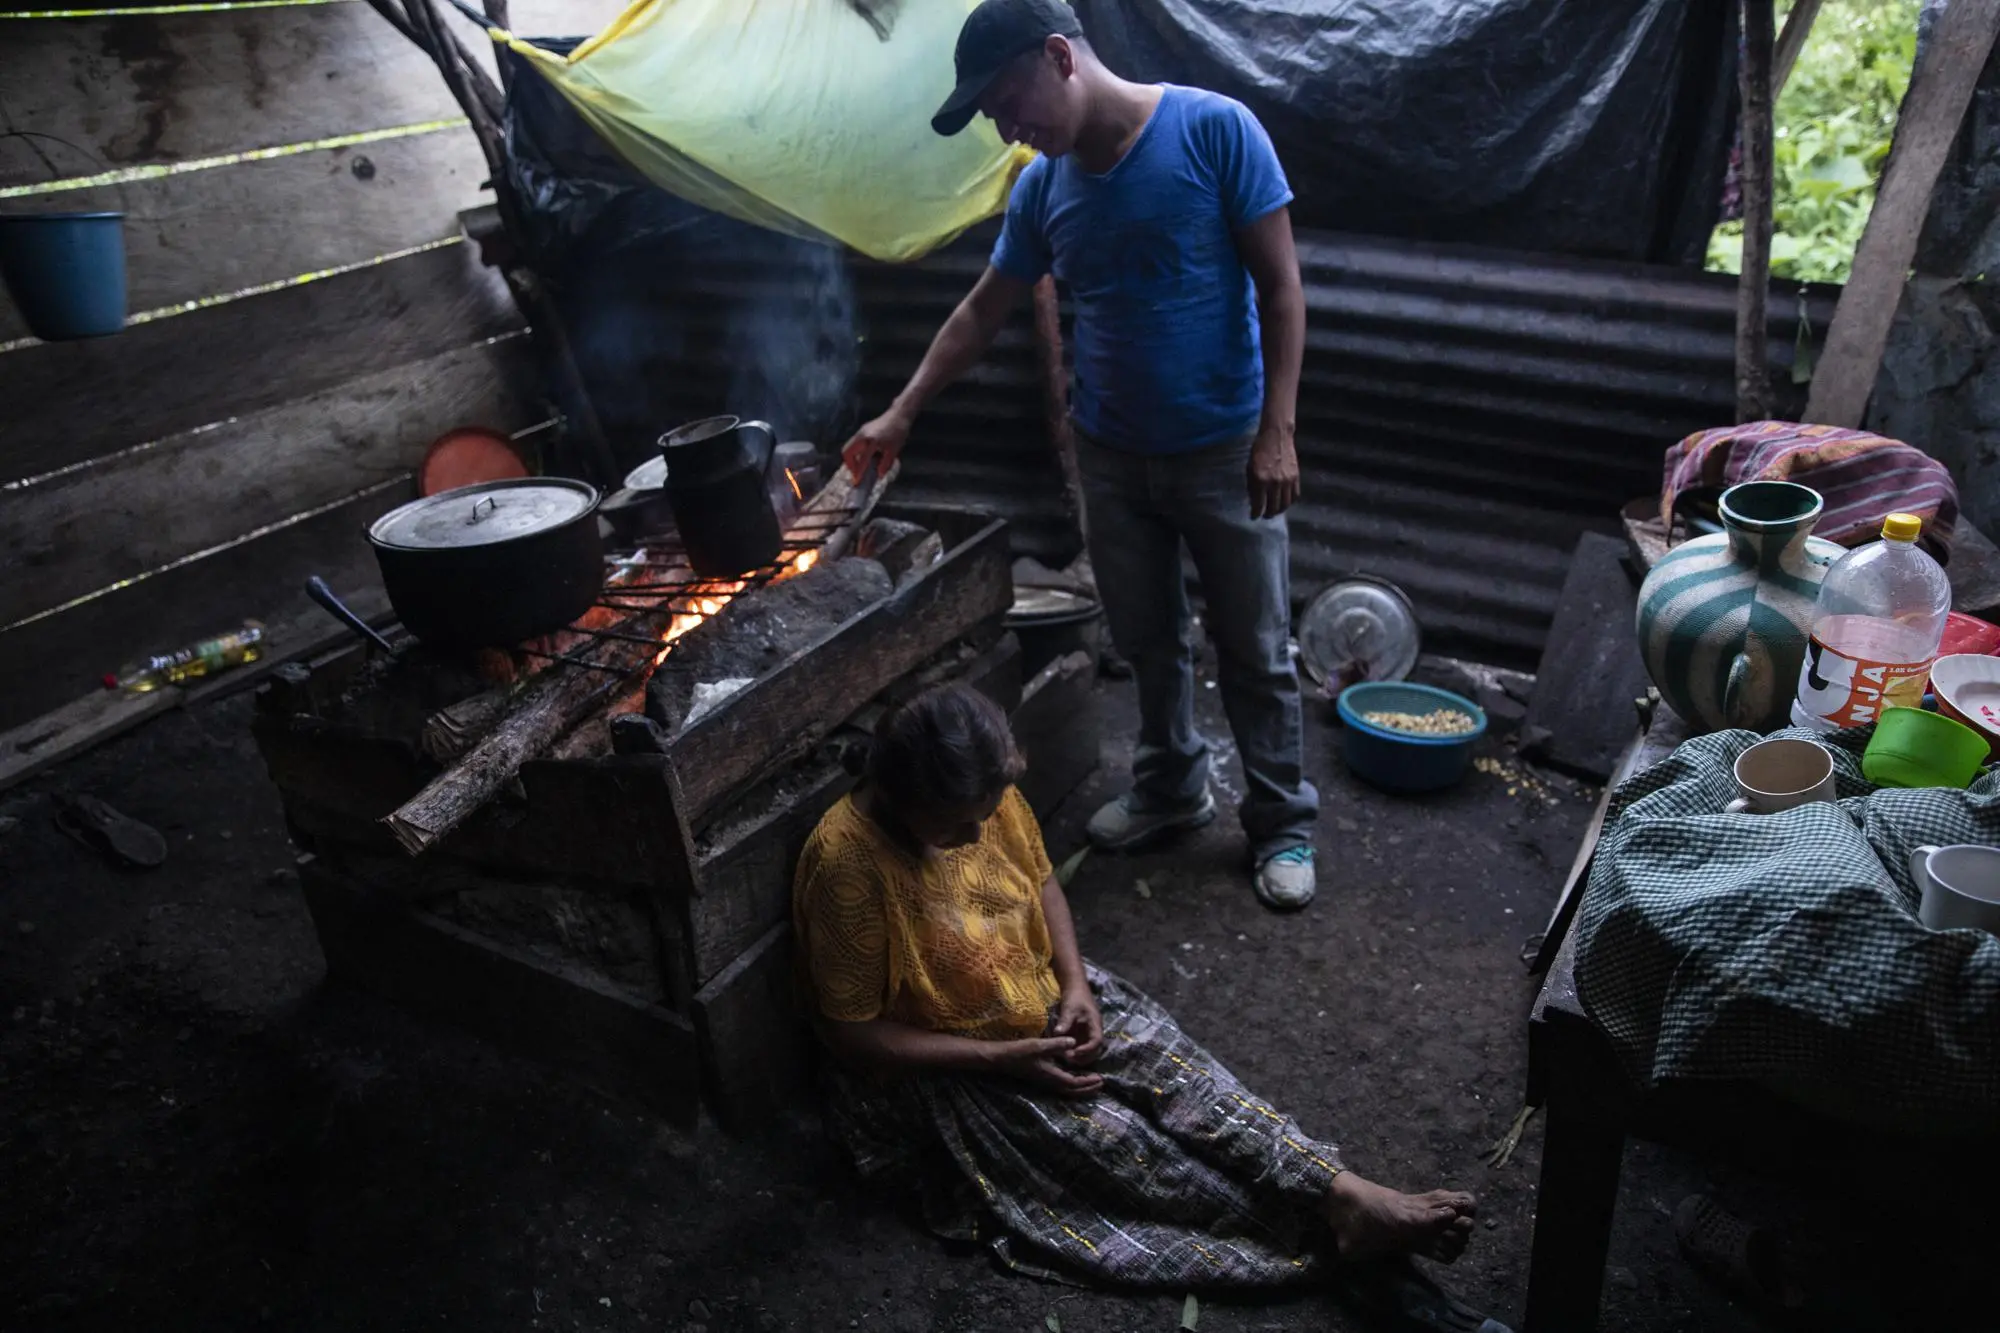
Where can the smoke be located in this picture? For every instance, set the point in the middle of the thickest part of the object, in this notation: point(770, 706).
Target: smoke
point(673, 322)
point(674, 312)
point(791, 343)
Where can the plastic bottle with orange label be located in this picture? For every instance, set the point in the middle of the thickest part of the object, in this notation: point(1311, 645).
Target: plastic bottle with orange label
point(1875, 632)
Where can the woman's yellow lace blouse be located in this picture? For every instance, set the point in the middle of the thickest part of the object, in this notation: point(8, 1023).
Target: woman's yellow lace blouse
point(953, 941)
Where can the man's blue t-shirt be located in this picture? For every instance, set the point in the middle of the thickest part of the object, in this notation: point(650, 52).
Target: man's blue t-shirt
point(1167, 352)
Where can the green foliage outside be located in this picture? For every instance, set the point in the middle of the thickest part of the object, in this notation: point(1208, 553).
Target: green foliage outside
point(1835, 119)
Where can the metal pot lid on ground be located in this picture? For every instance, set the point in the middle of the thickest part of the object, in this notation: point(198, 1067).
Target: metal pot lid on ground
point(1362, 628)
point(484, 514)
point(1040, 605)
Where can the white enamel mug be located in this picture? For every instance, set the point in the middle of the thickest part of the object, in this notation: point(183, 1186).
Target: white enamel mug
point(1781, 774)
point(1961, 887)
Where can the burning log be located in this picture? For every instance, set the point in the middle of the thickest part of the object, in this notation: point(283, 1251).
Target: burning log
point(791, 708)
point(536, 717)
point(550, 706)
point(843, 541)
point(750, 638)
point(450, 732)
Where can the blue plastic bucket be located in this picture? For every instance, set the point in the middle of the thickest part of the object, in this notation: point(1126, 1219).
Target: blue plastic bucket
point(66, 272)
point(1402, 761)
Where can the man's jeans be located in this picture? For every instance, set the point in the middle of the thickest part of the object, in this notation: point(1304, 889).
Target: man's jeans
point(1142, 509)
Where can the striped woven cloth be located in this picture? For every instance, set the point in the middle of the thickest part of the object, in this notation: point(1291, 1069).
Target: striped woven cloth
point(1862, 477)
point(1174, 1176)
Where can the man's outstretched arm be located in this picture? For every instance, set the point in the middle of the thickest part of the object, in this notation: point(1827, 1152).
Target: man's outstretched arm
point(956, 348)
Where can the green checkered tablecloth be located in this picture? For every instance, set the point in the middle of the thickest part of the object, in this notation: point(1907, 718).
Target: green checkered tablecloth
point(1785, 949)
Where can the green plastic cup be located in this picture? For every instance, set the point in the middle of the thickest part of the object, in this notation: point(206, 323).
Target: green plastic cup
point(1913, 748)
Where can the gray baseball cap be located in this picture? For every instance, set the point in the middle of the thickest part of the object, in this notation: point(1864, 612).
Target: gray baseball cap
point(994, 34)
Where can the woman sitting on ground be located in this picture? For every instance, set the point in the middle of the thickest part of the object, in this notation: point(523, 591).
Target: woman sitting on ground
point(1074, 1113)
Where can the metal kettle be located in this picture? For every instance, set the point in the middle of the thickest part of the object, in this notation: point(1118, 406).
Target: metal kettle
point(718, 485)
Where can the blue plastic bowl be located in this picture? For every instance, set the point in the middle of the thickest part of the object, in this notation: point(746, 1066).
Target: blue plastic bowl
point(1397, 760)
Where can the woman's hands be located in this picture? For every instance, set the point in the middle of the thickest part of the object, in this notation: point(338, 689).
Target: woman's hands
point(1077, 1017)
point(1055, 1062)
point(1043, 1062)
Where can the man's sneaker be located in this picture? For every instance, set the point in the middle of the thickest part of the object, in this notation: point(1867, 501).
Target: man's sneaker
point(1119, 828)
point(1286, 881)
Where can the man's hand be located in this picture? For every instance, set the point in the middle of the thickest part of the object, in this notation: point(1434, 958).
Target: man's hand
point(1274, 473)
point(1078, 1018)
point(880, 441)
point(1038, 1061)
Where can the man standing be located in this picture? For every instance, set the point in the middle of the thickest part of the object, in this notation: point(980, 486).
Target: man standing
point(1164, 210)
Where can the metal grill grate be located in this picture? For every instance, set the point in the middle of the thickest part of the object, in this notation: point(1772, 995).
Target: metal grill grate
point(654, 575)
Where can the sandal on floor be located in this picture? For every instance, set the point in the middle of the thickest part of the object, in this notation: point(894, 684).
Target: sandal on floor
point(112, 834)
point(1395, 1294)
point(1741, 1258)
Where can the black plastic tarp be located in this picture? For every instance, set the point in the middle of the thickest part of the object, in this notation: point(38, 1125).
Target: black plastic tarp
point(1588, 127)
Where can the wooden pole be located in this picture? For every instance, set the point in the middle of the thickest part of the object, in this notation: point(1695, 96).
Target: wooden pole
point(1941, 89)
point(1055, 399)
point(1753, 360)
point(483, 105)
point(496, 14)
point(478, 96)
point(1791, 41)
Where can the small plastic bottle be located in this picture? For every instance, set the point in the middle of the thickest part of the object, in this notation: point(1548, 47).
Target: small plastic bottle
point(197, 659)
point(1875, 633)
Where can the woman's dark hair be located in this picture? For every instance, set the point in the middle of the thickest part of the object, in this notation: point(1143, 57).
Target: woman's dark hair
point(948, 747)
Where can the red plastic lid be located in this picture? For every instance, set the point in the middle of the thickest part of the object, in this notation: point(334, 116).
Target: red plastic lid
point(1969, 634)
point(467, 456)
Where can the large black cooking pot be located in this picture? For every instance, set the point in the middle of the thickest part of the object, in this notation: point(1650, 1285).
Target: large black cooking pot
point(719, 486)
point(488, 565)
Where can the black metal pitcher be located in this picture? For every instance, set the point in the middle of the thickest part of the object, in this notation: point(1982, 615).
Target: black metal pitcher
point(718, 485)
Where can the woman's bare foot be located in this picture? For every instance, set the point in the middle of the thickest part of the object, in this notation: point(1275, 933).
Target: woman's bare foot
point(1369, 1220)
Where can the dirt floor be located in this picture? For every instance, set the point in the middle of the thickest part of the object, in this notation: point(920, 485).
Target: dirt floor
point(196, 1132)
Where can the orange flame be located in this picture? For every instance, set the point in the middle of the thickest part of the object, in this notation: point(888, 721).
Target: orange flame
point(795, 485)
point(704, 607)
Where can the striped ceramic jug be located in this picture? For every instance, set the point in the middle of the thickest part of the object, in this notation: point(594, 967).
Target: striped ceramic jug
point(1723, 620)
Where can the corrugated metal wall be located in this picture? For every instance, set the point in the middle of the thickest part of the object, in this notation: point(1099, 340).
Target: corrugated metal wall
point(1465, 415)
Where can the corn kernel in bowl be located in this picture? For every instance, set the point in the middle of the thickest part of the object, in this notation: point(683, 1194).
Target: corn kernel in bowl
point(1437, 722)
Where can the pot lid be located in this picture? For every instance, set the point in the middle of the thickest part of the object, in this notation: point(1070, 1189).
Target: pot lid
point(1359, 629)
point(484, 514)
point(1031, 604)
point(650, 475)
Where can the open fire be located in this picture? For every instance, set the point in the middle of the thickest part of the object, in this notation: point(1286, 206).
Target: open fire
point(704, 607)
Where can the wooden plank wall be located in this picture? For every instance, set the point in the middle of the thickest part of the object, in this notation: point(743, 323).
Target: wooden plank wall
point(310, 318)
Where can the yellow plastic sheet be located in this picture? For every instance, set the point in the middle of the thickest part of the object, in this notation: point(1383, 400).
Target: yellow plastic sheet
point(798, 115)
